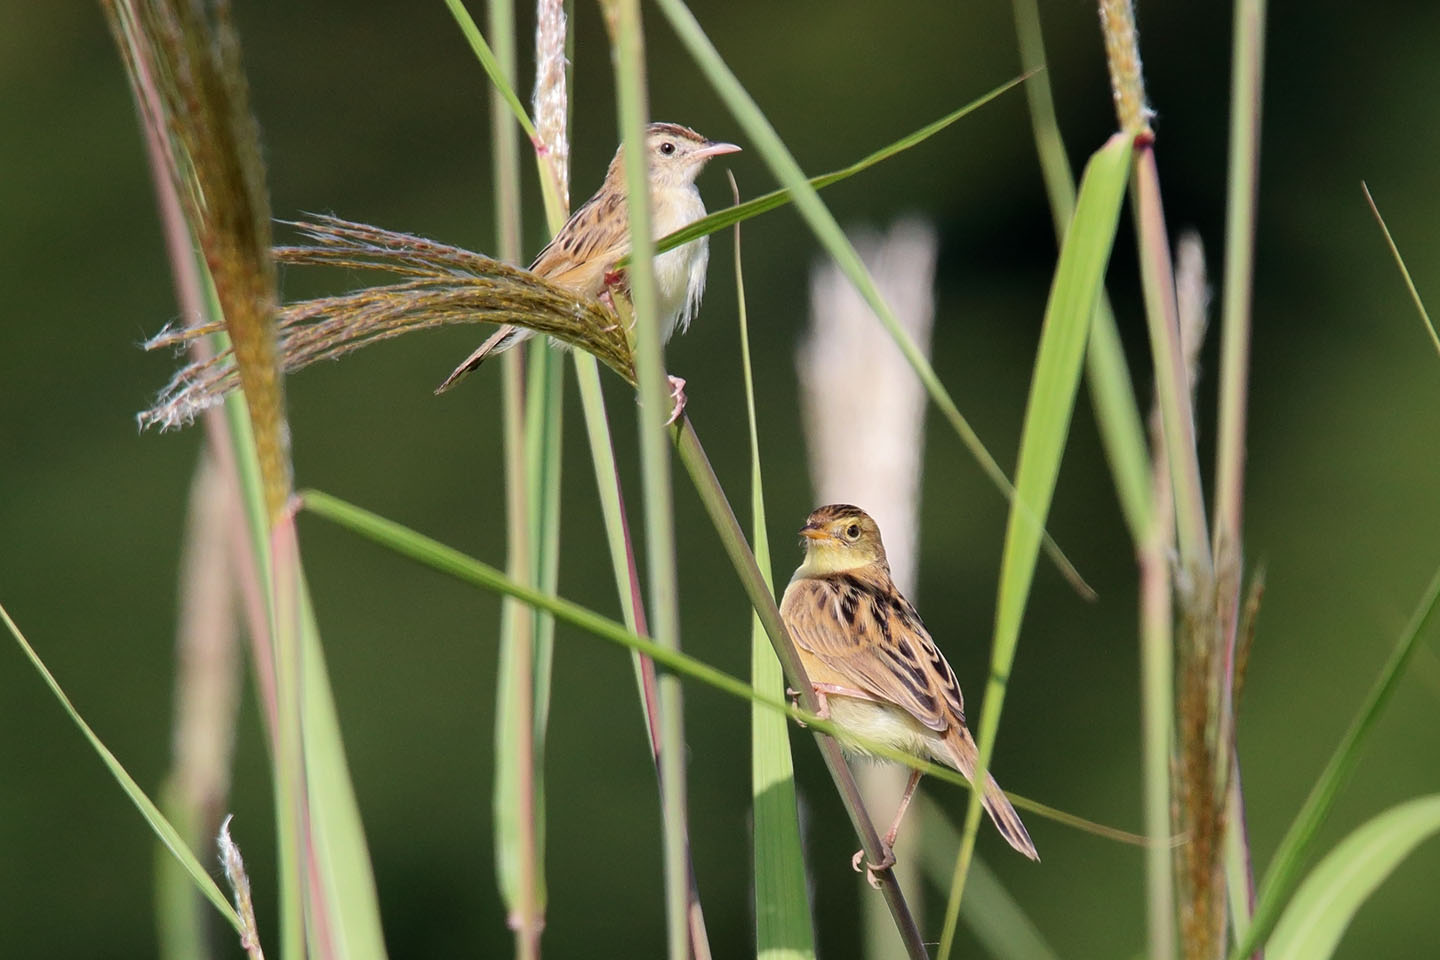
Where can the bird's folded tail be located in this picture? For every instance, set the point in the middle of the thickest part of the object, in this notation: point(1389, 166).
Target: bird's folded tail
point(499, 341)
point(1002, 814)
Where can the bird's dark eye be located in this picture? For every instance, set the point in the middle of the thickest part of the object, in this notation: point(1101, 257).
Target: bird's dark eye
point(667, 148)
point(853, 531)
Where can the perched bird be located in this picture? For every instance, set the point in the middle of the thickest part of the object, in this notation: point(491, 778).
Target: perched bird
point(875, 670)
point(583, 255)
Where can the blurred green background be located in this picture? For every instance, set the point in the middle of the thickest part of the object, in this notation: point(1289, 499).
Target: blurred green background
point(378, 112)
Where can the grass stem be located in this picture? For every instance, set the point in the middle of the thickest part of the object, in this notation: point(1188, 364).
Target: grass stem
point(628, 55)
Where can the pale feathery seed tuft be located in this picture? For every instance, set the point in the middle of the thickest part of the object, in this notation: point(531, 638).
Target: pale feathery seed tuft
point(846, 347)
point(239, 881)
point(551, 97)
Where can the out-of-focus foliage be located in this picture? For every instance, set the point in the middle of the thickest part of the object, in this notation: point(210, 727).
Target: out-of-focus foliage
point(376, 112)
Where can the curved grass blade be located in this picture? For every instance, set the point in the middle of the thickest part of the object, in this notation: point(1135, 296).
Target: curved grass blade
point(1112, 394)
point(451, 562)
point(1295, 847)
point(783, 928)
point(343, 908)
point(1326, 902)
point(166, 833)
point(992, 914)
point(823, 224)
point(740, 212)
point(1079, 277)
point(1404, 272)
point(1122, 435)
point(486, 56)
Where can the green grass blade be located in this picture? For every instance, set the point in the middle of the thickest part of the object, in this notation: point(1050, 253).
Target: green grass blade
point(1116, 413)
point(293, 812)
point(740, 212)
point(1079, 277)
point(1296, 846)
point(632, 106)
point(342, 912)
point(549, 406)
point(453, 563)
point(782, 164)
point(1326, 902)
point(1122, 434)
point(166, 833)
point(486, 56)
point(1404, 271)
point(783, 928)
point(337, 835)
point(992, 914)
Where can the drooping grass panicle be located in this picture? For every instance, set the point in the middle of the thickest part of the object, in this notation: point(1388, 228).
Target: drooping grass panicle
point(440, 285)
point(184, 65)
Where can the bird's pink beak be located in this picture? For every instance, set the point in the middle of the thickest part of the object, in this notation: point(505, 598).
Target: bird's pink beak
point(713, 149)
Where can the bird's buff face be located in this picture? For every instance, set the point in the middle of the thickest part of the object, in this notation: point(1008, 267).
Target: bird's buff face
point(678, 154)
point(837, 538)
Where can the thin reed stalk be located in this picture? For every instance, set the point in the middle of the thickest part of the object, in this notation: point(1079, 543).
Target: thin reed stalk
point(1246, 86)
point(517, 815)
point(1404, 270)
point(1210, 572)
point(628, 56)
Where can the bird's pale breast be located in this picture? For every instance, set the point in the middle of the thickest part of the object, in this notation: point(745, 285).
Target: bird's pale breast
point(886, 724)
point(680, 273)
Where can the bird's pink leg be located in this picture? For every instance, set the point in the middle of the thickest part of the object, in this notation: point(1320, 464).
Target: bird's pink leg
point(894, 830)
point(677, 396)
point(823, 711)
point(887, 843)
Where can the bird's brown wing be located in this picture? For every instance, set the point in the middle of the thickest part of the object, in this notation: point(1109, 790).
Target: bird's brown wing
point(592, 240)
point(589, 244)
point(864, 631)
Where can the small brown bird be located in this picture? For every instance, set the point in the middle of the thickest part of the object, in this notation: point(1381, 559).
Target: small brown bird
point(583, 255)
point(873, 665)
